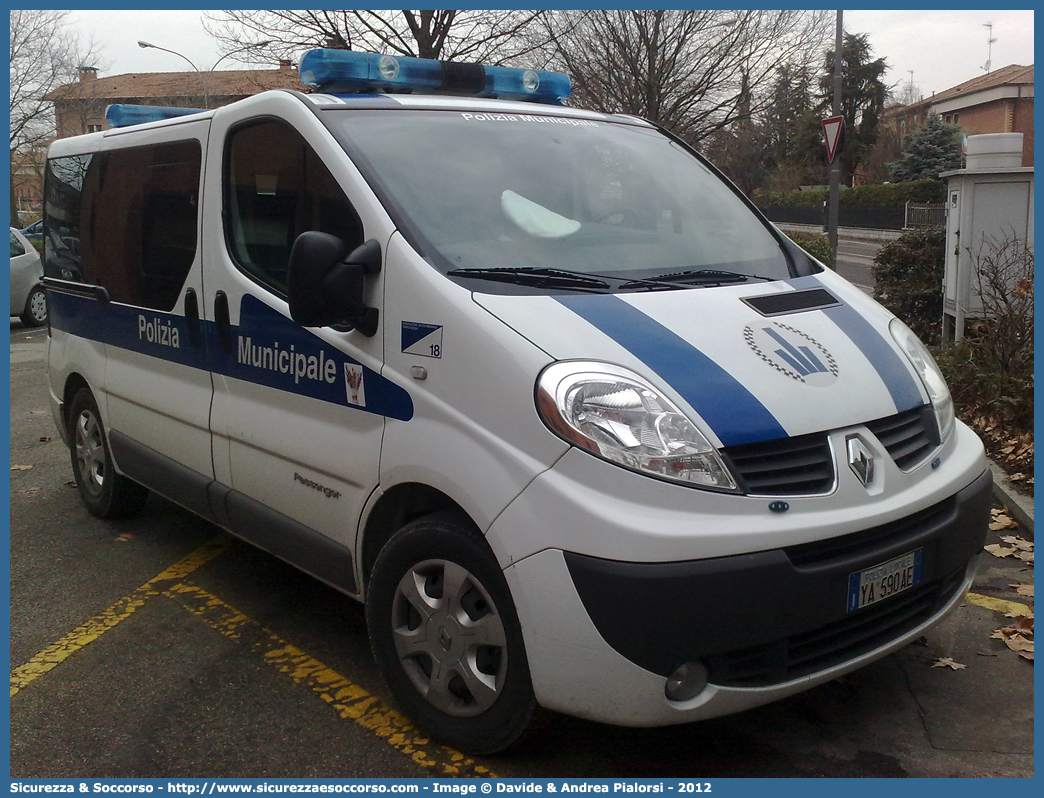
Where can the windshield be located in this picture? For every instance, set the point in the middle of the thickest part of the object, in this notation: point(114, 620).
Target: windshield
point(495, 197)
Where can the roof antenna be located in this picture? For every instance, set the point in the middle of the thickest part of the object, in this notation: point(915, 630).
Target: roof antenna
point(989, 42)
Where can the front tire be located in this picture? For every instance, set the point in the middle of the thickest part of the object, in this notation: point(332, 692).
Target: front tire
point(446, 637)
point(105, 493)
point(35, 312)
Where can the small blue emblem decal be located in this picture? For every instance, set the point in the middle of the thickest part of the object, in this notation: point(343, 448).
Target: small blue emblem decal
point(793, 353)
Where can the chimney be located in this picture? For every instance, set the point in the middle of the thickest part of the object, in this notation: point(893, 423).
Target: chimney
point(286, 63)
point(87, 73)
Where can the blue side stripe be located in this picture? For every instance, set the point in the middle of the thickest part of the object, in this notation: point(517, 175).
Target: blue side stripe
point(732, 412)
point(261, 334)
point(902, 384)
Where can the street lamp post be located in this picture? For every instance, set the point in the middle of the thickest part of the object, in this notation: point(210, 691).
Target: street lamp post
point(835, 166)
point(204, 76)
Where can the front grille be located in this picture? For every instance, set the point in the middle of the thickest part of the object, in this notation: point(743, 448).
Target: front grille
point(800, 466)
point(816, 650)
point(909, 436)
point(823, 553)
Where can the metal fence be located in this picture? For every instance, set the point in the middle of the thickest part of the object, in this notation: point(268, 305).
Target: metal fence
point(848, 216)
point(925, 214)
point(796, 215)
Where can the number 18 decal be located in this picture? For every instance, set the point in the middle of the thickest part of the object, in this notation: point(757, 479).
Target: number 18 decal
point(422, 339)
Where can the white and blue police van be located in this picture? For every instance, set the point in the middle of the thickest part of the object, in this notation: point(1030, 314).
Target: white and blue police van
point(538, 385)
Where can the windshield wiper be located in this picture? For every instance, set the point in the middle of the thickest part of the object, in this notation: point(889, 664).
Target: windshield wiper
point(710, 276)
point(534, 276)
point(559, 278)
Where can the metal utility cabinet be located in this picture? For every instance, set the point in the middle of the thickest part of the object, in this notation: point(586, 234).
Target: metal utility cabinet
point(990, 200)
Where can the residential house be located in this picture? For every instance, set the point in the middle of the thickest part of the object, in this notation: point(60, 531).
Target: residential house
point(27, 181)
point(80, 107)
point(1000, 101)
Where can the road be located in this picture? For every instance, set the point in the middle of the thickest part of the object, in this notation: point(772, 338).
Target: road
point(233, 664)
point(855, 259)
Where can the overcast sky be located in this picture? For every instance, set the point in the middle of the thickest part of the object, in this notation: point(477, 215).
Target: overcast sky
point(942, 48)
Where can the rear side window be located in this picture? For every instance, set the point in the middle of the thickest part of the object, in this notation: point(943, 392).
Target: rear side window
point(126, 220)
point(275, 189)
point(16, 246)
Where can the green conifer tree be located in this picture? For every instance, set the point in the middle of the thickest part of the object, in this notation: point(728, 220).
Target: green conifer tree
point(934, 148)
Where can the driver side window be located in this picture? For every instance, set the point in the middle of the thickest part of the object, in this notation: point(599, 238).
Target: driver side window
point(275, 188)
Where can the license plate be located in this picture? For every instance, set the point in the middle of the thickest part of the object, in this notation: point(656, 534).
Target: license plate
point(884, 580)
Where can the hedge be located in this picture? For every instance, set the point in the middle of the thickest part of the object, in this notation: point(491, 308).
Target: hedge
point(816, 245)
point(908, 279)
point(883, 195)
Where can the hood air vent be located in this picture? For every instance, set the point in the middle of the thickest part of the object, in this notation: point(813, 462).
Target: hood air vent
point(792, 302)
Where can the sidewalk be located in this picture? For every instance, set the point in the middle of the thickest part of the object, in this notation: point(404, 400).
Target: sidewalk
point(1020, 506)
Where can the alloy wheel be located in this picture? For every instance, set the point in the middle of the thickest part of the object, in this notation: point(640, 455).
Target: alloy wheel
point(449, 637)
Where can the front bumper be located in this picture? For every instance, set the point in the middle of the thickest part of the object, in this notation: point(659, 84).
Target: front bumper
point(772, 616)
point(602, 634)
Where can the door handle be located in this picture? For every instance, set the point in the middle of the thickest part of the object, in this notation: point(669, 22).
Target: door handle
point(223, 322)
point(195, 329)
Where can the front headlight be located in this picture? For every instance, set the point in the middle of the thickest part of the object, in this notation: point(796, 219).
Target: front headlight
point(931, 376)
point(615, 414)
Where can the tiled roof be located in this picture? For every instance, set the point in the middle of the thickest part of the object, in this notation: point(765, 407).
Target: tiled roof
point(146, 85)
point(1005, 76)
point(1010, 75)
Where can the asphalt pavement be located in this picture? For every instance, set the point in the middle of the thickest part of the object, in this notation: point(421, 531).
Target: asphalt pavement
point(856, 250)
point(855, 260)
point(161, 647)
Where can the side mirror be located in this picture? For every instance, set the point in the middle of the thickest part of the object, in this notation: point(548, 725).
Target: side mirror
point(324, 282)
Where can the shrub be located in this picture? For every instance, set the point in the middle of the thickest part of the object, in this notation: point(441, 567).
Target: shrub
point(890, 195)
point(908, 278)
point(792, 199)
point(883, 195)
point(816, 245)
point(990, 371)
point(931, 150)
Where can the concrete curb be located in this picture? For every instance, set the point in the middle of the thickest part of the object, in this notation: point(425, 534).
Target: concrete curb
point(1020, 507)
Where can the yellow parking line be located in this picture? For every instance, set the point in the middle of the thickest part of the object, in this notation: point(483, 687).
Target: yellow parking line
point(87, 633)
point(349, 700)
point(998, 605)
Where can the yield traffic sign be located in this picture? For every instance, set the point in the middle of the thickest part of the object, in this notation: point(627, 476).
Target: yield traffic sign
point(833, 131)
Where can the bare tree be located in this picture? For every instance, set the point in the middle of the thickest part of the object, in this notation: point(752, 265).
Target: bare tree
point(1004, 273)
point(491, 37)
point(905, 93)
point(44, 54)
point(692, 71)
point(876, 166)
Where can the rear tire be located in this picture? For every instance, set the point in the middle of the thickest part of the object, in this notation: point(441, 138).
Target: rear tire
point(35, 313)
point(105, 493)
point(446, 637)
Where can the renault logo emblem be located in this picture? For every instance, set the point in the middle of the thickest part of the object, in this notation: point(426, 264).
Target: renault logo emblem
point(860, 460)
point(445, 639)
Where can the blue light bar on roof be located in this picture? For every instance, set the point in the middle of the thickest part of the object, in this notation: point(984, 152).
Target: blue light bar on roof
point(348, 72)
point(120, 115)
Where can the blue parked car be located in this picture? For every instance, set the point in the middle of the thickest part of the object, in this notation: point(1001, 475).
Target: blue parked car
point(34, 232)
